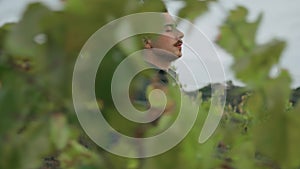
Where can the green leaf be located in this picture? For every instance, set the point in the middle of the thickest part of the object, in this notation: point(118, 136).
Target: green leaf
point(293, 138)
point(4, 30)
point(271, 131)
point(77, 156)
point(238, 35)
point(59, 131)
point(193, 9)
point(21, 41)
point(260, 60)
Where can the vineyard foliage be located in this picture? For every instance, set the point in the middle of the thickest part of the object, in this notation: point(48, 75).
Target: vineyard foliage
point(39, 127)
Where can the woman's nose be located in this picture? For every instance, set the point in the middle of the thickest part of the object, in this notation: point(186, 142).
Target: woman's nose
point(180, 34)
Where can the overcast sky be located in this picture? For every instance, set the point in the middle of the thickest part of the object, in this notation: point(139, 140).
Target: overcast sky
point(281, 20)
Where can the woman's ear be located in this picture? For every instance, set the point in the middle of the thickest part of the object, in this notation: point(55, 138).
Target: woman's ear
point(147, 43)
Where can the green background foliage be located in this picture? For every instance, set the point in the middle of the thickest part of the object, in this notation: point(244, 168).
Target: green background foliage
point(39, 128)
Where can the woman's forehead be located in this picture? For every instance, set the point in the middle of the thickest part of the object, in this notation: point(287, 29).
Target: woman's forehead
point(168, 18)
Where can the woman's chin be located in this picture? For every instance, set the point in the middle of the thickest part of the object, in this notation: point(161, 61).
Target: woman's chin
point(179, 54)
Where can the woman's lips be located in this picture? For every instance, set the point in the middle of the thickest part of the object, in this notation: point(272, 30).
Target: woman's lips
point(178, 44)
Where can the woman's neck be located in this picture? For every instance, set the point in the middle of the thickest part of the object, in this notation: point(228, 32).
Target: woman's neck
point(160, 61)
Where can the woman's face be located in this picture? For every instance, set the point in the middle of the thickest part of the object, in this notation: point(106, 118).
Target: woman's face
point(170, 39)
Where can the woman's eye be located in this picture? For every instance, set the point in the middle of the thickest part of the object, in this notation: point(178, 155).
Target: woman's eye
point(169, 29)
